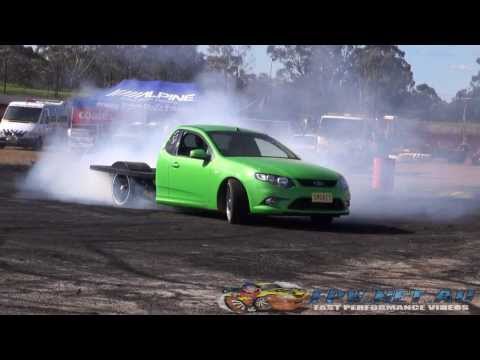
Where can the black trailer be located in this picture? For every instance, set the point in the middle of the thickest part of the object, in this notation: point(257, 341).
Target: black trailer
point(130, 181)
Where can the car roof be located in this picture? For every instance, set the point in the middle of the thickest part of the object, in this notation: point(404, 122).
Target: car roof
point(35, 103)
point(29, 104)
point(209, 128)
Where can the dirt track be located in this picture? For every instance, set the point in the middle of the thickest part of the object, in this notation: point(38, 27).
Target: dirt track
point(69, 258)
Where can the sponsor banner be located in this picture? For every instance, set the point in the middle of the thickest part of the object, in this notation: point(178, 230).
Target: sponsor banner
point(158, 96)
point(142, 97)
point(153, 92)
point(85, 116)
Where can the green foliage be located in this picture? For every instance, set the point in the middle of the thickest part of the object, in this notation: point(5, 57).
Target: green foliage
point(66, 67)
point(14, 89)
point(373, 79)
point(312, 80)
point(468, 100)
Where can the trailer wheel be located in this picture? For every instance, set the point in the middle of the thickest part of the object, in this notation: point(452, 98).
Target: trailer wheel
point(123, 190)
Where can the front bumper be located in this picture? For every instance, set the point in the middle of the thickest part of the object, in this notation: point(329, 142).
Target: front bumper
point(296, 200)
point(17, 141)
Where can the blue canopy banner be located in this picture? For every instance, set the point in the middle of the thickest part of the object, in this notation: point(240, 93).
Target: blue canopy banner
point(132, 95)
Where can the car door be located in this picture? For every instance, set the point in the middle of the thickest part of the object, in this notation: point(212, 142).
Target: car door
point(189, 178)
point(52, 122)
point(62, 124)
point(166, 157)
point(48, 122)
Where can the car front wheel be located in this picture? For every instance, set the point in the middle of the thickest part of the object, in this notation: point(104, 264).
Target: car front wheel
point(236, 206)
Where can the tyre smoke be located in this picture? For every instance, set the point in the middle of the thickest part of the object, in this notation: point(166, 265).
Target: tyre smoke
point(421, 189)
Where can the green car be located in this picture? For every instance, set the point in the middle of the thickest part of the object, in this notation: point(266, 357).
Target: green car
point(235, 171)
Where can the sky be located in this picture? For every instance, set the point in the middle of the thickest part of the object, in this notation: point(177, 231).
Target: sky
point(446, 68)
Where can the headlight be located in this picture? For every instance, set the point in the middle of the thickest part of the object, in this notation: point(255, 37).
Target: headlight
point(343, 184)
point(281, 181)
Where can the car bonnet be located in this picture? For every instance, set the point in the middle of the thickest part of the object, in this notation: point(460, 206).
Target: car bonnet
point(286, 167)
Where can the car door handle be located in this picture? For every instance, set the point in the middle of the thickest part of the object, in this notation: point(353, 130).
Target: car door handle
point(175, 165)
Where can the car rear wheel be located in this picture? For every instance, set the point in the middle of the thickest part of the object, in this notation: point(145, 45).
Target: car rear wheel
point(321, 220)
point(123, 190)
point(236, 206)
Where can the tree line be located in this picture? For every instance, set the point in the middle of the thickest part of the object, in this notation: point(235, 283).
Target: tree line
point(312, 79)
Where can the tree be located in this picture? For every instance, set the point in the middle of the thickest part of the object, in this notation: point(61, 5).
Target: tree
point(424, 103)
point(107, 68)
point(296, 60)
point(231, 61)
point(467, 100)
point(475, 82)
point(20, 65)
point(428, 93)
point(67, 64)
point(318, 75)
point(384, 77)
point(173, 62)
point(80, 59)
point(4, 54)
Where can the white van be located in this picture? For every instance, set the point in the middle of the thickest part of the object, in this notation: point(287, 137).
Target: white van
point(341, 127)
point(32, 123)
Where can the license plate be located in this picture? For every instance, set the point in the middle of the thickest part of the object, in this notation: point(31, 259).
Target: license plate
point(322, 198)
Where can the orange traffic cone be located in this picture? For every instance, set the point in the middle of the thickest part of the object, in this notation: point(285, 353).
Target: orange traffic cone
point(383, 174)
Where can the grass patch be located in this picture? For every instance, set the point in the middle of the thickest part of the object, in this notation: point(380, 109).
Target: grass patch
point(13, 89)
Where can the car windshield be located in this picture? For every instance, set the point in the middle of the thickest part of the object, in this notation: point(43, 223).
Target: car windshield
point(22, 114)
point(237, 143)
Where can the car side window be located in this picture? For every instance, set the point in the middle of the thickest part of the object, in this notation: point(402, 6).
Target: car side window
point(172, 143)
point(268, 149)
point(189, 142)
point(48, 114)
point(53, 115)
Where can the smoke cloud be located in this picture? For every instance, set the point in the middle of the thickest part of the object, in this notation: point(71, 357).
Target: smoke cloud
point(63, 175)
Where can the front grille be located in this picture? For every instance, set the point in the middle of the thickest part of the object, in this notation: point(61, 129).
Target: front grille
point(317, 183)
point(14, 133)
point(307, 204)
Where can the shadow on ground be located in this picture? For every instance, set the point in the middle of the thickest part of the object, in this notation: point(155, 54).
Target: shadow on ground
point(347, 226)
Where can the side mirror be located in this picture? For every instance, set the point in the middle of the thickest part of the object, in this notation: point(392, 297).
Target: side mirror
point(198, 154)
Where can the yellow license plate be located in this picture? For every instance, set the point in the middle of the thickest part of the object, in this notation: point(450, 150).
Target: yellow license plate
point(322, 198)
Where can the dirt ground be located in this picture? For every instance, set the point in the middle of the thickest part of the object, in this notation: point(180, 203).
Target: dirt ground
point(58, 257)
